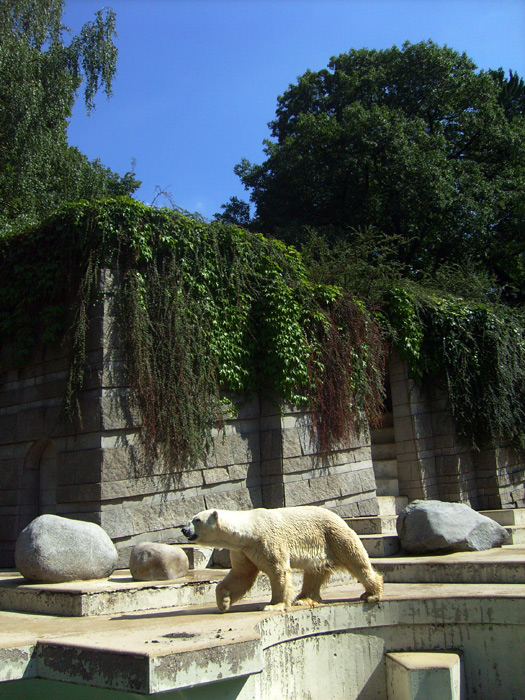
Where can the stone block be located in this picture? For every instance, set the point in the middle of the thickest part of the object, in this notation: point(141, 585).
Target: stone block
point(399, 390)
point(120, 463)
point(114, 373)
point(79, 467)
point(299, 494)
point(346, 509)
point(292, 444)
point(10, 474)
point(29, 425)
point(428, 675)
point(117, 521)
point(244, 409)
point(9, 527)
point(271, 467)
point(443, 423)
point(222, 453)
point(8, 423)
point(217, 475)
point(368, 505)
point(367, 480)
point(404, 429)
point(271, 445)
point(241, 472)
point(245, 447)
point(272, 495)
point(237, 499)
point(8, 497)
point(117, 412)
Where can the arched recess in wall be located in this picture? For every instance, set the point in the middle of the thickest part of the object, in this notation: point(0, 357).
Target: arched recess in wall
point(39, 482)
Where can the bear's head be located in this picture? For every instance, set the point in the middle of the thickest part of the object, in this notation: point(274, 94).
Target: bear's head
point(202, 526)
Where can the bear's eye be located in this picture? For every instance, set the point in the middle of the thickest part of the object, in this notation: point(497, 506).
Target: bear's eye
point(196, 520)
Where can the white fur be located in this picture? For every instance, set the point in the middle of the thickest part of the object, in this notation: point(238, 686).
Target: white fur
point(275, 541)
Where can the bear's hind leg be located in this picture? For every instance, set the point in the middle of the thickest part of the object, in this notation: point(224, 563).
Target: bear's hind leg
point(282, 589)
point(371, 580)
point(237, 582)
point(373, 583)
point(310, 594)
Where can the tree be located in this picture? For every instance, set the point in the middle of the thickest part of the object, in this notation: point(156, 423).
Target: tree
point(236, 211)
point(415, 142)
point(39, 79)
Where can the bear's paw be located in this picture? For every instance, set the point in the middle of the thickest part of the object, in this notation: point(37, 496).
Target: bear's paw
point(275, 607)
point(307, 602)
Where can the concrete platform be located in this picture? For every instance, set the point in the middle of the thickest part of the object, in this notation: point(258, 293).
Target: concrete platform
point(121, 594)
point(187, 650)
point(195, 648)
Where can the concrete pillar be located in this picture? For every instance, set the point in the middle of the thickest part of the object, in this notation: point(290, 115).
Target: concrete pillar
point(429, 675)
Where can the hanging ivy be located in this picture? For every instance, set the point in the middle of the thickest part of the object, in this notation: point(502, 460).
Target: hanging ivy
point(199, 309)
point(476, 352)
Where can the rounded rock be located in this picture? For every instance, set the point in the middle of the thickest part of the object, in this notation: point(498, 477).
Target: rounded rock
point(52, 549)
point(155, 561)
point(425, 527)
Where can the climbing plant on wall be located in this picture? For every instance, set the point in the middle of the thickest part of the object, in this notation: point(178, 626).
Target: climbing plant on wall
point(199, 309)
point(475, 351)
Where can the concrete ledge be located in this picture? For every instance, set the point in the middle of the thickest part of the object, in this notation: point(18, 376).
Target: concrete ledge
point(503, 565)
point(195, 649)
point(121, 594)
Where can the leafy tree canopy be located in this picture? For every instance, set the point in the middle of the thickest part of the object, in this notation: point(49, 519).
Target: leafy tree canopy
point(40, 76)
point(414, 142)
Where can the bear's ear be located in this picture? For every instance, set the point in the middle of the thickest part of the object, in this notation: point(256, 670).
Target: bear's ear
point(214, 516)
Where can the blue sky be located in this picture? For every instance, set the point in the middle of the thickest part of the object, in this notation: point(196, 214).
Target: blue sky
point(197, 80)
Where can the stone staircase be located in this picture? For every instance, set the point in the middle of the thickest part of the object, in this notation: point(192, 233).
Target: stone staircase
point(384, 457)
point(513, 520)
point(378, 533)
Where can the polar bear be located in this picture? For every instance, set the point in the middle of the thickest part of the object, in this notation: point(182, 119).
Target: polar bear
point(275, 541)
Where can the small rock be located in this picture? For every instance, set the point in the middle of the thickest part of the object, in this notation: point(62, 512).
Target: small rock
point(436, 526)
point(52, 549)
point(154, 561)
point(221, 558)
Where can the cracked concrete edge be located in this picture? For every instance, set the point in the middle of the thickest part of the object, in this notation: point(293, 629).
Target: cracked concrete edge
point(153, 671)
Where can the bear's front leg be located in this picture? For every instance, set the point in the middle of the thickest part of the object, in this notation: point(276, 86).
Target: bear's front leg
point(237, 582)
point(310, 594)
point(282, 589)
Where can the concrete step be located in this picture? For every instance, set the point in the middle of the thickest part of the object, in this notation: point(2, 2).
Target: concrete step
point(387, 420)
point(384, 451)
point(385, 469)
point(517, 534)
point(501, 565)
point(506, 516)
point(380, 545)
point(379, 525)
point(387, 487)
point(380, 436)
point(391, 505)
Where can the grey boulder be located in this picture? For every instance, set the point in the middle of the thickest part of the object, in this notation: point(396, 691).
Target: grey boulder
point(52, 549)
point(436, 526)
point(154, 561)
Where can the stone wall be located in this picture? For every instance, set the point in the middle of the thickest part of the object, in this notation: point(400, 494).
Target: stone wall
point(435, 463)
point(266, 455)
point(95, 469)
point(47, 464)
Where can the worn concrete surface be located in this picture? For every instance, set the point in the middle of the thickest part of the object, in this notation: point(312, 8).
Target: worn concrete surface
point(193, 646)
